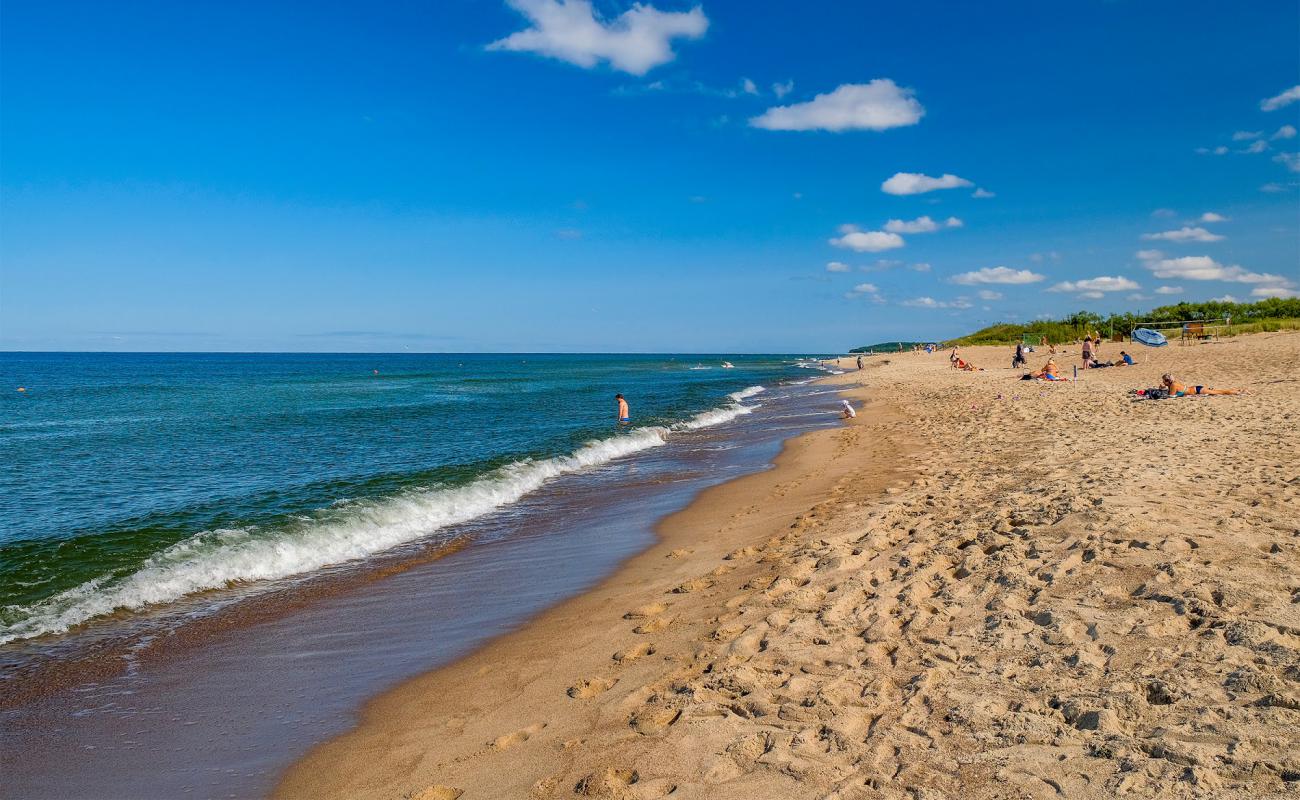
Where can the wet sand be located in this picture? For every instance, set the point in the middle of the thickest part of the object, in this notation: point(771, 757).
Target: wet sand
point(980, 587)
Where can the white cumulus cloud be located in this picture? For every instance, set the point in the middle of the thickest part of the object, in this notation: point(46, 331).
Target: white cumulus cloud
point(1273, 291)
point(1204, 268)
point(1284, 132)
point(875, 106)
point(921, 225)
point(838, 266)
point(997, 275)
point(1184, 234)
point(1095, 287)
point(916, 183)
point(635, 42)
point(1210, 216)
point(1277, 101)
point(982, 194)
point(866, 241)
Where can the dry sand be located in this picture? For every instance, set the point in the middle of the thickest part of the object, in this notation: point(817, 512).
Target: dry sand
point(980, 587)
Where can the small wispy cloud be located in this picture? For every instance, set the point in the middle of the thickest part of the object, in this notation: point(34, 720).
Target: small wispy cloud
point(868, 290)
point(1185, 234)
point(921, 225)
point(1280, 100)
point(930, 302)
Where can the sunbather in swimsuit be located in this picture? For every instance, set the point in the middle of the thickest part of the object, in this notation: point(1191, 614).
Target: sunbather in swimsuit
point(1177, 389)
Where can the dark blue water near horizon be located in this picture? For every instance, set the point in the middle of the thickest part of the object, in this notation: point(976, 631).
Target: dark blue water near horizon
point(134, 480)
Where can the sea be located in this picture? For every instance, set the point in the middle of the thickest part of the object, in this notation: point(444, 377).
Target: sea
point(214, 559)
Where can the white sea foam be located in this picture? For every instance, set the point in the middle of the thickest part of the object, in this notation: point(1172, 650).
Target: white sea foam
point(745, 393)
point(221, 558)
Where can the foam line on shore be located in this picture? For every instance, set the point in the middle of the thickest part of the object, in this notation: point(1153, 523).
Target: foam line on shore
point(221, 558)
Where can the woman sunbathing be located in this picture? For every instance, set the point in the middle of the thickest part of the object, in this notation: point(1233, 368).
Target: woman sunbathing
point(962, 363)
point(1049, 372)
point(1177, 389)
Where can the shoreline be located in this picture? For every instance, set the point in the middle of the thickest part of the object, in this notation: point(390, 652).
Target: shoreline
point(690, 574)
point(259, 683)
point(1070, 592)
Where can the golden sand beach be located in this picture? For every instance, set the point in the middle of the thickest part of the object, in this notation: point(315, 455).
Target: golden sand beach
point(980, 587)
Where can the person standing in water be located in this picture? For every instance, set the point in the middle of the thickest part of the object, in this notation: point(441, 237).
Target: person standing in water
point(624, 416)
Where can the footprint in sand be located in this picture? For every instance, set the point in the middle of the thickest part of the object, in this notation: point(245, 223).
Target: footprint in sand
point(653, 625)
point(438, 793)
point(648, 610)
point(633, 653)
point(518, 737)
point(693, 585)
point(680, 552)
point(590, 687)
point(652, 719)
point(606, 782)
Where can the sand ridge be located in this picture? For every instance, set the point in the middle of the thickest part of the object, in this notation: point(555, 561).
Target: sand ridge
point(979, 588)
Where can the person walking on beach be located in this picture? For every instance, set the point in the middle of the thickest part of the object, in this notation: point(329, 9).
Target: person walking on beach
point(1019, 358)
point(624, 416)
point(859, 362)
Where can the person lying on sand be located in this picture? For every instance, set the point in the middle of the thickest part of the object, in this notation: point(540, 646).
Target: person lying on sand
point(1050, 372)
point(963, 364)
point(1177, 389)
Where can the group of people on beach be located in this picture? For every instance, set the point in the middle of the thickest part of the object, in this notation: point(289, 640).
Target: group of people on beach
point(1091, 349)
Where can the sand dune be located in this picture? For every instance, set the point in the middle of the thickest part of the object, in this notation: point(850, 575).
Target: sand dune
point(979, 588)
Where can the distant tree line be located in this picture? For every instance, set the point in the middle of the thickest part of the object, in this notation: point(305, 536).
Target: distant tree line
point(1273, 314)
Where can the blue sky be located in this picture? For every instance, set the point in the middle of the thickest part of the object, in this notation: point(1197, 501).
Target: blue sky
point(537, 176)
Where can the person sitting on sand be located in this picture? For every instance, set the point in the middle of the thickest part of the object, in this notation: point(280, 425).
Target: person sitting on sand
point(1049, 372)
point(953, 358)
point(963, 364)
point(1177, 389)
point(1126, 360)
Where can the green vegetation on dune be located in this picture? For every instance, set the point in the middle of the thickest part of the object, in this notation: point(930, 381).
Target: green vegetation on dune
point(1273, 314)
point(886, 347)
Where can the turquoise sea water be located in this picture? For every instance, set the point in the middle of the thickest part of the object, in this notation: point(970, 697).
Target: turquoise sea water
point(131, 481)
